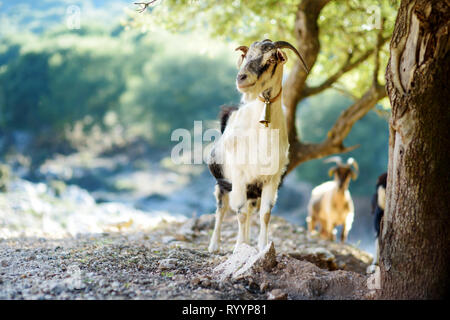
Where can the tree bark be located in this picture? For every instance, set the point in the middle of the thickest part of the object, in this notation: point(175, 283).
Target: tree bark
point(415, 230)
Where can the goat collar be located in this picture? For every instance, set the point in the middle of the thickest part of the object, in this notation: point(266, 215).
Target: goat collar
point(265, 117)
point(267, 100)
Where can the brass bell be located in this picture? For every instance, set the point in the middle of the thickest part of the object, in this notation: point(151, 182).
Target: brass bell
point(265, 117)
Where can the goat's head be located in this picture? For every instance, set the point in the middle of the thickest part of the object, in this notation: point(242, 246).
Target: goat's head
point(261, 65)
point(343, 171)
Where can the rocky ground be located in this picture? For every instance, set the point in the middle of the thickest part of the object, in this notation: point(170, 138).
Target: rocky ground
point(171, 261)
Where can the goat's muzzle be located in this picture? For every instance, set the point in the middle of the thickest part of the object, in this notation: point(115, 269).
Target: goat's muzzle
point(241, 81)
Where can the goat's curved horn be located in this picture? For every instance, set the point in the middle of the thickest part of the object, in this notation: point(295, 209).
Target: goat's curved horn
point(287, 45)
point(244, 49)
point(352, 162)
point(336, 159)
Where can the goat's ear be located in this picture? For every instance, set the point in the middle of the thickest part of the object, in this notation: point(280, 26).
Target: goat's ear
point(331, 171)
point(281, 56)
point(354, 175)
point(239, 61)
point(244, 50)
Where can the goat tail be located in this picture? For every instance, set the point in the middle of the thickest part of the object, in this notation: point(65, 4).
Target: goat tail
point(217, 172)
point(224, 115)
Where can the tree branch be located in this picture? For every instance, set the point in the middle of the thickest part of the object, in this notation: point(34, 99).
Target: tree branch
point(301, 152)
point(144, 5)
point(334, 143)
point(306, 31)
point(348, 66)
point(344, 91)
point(380, 42)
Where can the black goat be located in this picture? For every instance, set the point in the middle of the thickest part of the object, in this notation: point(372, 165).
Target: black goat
point(378, 205)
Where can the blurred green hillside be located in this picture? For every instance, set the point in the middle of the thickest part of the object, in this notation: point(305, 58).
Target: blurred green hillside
point(49, 82)
point(104, 76)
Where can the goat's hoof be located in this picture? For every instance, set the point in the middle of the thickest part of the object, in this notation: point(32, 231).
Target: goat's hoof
point(262, 246)
point(213, 248)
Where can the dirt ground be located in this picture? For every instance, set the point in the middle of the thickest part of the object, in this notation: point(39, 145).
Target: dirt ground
point(172, 262)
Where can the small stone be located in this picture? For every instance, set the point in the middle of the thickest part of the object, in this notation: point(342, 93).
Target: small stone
point(205, 222)
point(167, 264)
point(57, 289)
point(115, 285)
point(206, 282)
point(195, 281)
point(187, 229)
point(264, 286)
point(321, 257)
point(168, 239)
point(180, 237)
point(277, 294)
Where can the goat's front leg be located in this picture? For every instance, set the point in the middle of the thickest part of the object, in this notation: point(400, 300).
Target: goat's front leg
point(253, 205)
point(222, 208)
point(242, 216)
point(238, 203)
point(268, 196)
point(347, 226)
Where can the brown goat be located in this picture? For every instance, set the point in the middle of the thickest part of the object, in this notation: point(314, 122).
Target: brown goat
point(331, 204)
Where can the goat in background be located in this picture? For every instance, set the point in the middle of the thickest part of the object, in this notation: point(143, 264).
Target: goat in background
point(331, 204)
point(243, 186)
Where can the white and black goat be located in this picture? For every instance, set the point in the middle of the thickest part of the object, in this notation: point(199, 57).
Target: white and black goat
point(256, 129)
point(331, 204)
point(378, 205)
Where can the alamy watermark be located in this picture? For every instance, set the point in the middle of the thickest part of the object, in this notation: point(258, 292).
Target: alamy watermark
point(73, 17)
point(374, 280)
point(374, 21)
point(256, 148)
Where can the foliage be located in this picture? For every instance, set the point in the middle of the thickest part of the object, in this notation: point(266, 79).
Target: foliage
point(51, 85)
point(173, 90)
point(50, 82)
point(345, 27)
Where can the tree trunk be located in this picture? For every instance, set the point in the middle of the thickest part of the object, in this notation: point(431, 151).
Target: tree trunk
point(307, 35)
point(415, 230)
